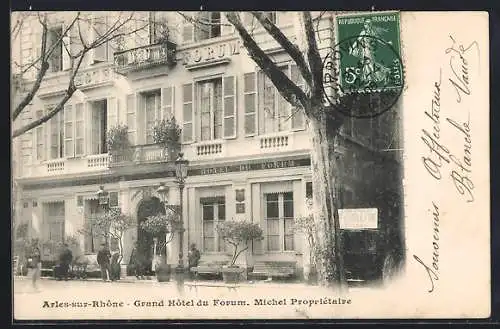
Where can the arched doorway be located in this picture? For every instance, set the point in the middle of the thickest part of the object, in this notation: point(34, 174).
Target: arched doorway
point(145, 244)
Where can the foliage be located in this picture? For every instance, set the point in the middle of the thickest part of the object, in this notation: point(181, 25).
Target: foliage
point(117, 138)
point(22, 231)
point(306, 225)
point(162, 227)
point(167, 133)
point(112, 224)
point(238, 234)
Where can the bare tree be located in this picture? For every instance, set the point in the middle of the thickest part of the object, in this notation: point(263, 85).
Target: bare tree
point(75, 32)
point(324, 124)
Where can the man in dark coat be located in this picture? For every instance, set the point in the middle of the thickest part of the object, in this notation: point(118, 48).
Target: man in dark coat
point(193, 257)
point(65, 259)
point(137, 261)
point(103, 257)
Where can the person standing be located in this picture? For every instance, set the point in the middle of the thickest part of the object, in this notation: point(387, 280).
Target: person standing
point(65, 259)
point(103, 257)
point(136, 260)
point(34, 262)
point(193, 257)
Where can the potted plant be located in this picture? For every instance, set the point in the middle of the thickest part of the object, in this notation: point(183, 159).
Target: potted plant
point(238, 234)
point(162, 226)
point(110, 226)
point(167, 134)
point(305, 225)
point(117, 141)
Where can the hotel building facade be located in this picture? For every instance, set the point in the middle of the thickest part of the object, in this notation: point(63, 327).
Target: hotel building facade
point(248, 155)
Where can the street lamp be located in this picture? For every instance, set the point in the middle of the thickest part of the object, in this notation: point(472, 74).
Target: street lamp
point(102, 196)
point(181, 171)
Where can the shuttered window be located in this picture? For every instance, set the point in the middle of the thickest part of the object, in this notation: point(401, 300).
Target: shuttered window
point(187, 113)
point(250, 100)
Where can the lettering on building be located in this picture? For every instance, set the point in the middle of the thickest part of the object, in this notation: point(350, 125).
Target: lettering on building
point(211, 53)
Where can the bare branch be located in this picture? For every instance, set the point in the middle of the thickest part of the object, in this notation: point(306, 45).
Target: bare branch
point(314, 57)
point(290, 91)
point(288, 46)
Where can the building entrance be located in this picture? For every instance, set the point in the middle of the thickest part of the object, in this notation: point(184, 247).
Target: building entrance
point(145, 242)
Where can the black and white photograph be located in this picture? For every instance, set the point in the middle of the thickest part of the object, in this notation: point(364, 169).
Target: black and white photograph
point(249, 165)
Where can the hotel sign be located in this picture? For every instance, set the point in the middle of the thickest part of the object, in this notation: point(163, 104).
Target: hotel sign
point(358, 219)
point(211, 54)
point(250, 166)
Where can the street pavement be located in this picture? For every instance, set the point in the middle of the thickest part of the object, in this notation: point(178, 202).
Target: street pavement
point(149, 299)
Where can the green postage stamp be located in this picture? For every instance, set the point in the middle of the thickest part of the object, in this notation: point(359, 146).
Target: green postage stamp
point(371, 54)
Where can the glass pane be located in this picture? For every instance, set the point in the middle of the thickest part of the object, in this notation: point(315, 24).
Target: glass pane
point(205, 133)
point(208, 244)
point(208, 212)
point(288, 226)
point(288, 208)
point(79, 129)
point(218, 131)
point(69, 147)
point(289, 242)
point(229, 86)
point(273, 243)
point(229, 126)
point(222, 211)
point(187, 112)
point(250, 124)
point(272, 209)
point(187, 132)
point(79, 146)
point(208, 228)
point(222, 245)
point(249, 82)
point(187, 92)
point(68, 131)
point(79, 112)
point(250, 103)
point(273, 226)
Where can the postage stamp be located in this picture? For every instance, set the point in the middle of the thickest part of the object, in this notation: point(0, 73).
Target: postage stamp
point(365, 64)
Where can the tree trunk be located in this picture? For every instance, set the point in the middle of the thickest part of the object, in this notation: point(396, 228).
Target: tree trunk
point(328, 251)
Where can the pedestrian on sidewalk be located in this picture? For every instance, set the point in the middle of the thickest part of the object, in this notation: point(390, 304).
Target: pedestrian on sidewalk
point(193, 258)
point(34, 263)
point(137, 262)
point(103, 257)
point(65, 259)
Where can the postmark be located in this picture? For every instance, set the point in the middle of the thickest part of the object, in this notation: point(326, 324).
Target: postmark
point(363, 73)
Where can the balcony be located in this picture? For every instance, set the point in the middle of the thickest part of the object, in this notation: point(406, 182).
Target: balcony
point(142, 154)
point(145, 57)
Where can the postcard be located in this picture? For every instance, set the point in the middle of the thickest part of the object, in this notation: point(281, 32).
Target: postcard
point(255, 165)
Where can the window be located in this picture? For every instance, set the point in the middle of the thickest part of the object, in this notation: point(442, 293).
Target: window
point(202, 26)
point(54, 39)
point(101, 53)
point(275, 113)
point(54, 217)
point(56, 136)
point(152, 112)
point(250, 21)
point(98, 127)
point(158, 30)
point(250, 100)
point(213, 211)
point(215, 102)
point(210, 105)
point(279, 221)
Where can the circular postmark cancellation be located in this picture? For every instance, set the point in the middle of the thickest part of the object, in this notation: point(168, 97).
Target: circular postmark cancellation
point(362, 76)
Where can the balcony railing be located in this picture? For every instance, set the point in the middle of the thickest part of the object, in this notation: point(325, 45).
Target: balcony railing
point(142, 154)
point(144, 57)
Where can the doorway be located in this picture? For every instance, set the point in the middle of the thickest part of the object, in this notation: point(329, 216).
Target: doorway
point(145, 243)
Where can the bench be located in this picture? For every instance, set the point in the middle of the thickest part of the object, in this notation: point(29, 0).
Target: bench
point(272, 269)
point(213, 268)
point(230, 287)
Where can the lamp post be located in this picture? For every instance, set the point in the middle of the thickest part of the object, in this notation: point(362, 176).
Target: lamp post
point(181, 170)
point(102, 196)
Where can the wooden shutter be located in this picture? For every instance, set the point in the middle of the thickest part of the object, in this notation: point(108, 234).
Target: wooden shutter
point(298, 118)
point(229, 107)
point(187, 30)
point(187, 112)
point(250, 100)
point(131, 119)
point(226, 27)
point(140, 119)
point(112, 112)
point(69, 132)
point(66, 49)
point(79, 128)
point(167, 102)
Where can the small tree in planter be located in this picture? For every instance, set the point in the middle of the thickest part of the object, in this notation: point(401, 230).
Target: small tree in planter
point(112, 224)
point(162, 227)
point(238, 234)
point(117, 141)
point(167, 134)
point(305, 224)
